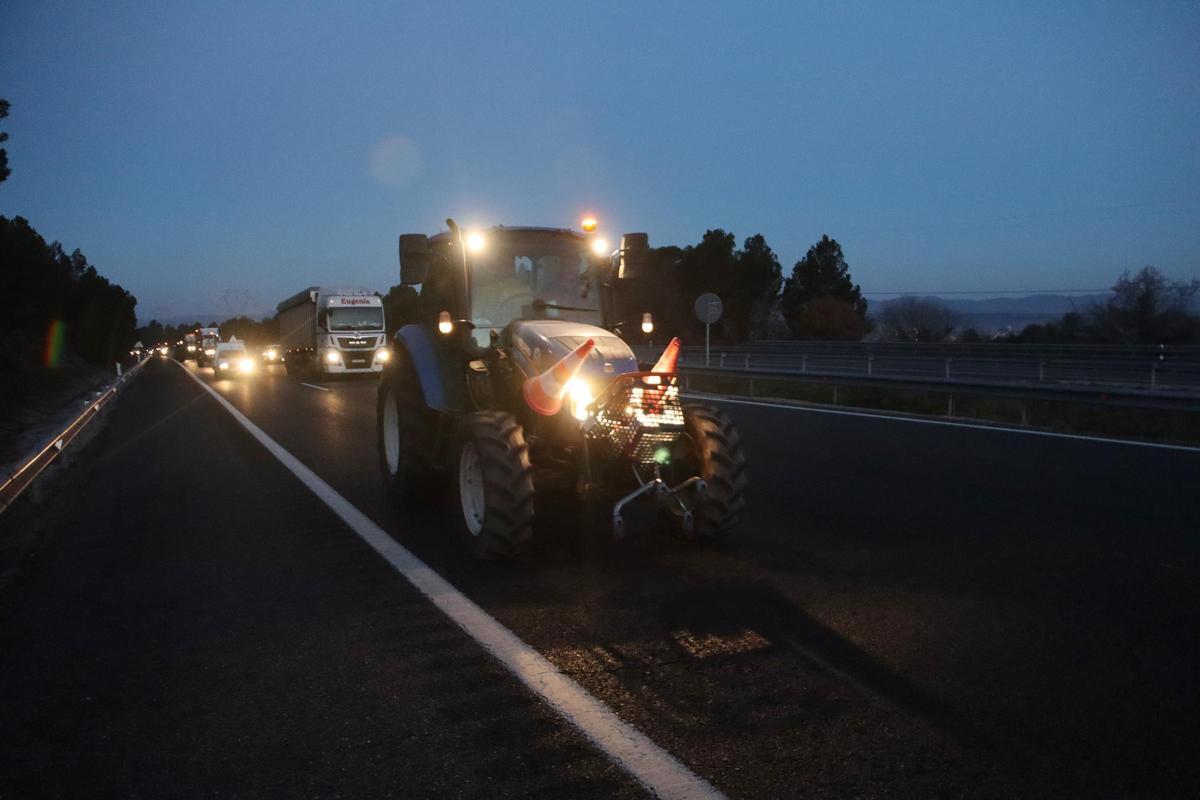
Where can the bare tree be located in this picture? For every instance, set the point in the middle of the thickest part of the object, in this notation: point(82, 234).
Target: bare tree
point(916, 319)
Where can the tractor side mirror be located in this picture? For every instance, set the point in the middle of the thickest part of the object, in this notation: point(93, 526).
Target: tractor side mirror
point(635, 255)
point(415, 258)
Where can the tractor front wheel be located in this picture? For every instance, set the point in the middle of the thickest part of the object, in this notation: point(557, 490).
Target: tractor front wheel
point(493, 483)
point(712, 449)
point(405, 438)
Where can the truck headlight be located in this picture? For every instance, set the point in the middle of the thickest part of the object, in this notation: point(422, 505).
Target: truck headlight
point(333, 357)
point(246, 365)
point(579, 395)
point(382, 355)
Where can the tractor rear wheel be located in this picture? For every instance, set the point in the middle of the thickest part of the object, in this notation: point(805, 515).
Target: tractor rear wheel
point(404, 432)
point(713, 450)
point(493, 484)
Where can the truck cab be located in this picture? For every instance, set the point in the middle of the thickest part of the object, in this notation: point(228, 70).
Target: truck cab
point(332, 331)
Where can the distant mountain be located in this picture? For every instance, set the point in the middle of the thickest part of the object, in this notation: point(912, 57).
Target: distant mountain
point(1009, 313)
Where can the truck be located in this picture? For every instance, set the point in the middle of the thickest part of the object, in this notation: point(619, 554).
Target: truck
point(209, 339)
point(332, 331)
point(518, 380)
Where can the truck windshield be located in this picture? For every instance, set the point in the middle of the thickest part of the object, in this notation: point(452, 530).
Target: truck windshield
point(356, 318)
point(532, 275)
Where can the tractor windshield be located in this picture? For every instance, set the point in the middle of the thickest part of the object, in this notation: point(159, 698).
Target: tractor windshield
point(531, 275)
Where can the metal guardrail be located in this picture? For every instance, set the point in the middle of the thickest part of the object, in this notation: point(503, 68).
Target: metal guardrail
point(1080, 395)
point(27, 472)
point(1115, 368)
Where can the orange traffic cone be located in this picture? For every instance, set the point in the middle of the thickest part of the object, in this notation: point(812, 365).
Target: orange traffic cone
point(666, 362)
point(544, 393)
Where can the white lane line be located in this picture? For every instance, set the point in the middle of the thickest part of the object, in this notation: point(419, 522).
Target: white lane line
point(314, 386)
point(632, 750)
point(720, 398)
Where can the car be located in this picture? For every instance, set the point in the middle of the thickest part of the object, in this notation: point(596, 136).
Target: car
point(231, 359)
point(272, 354)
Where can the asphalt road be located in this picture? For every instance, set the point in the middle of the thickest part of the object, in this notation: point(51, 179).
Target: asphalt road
point(910, 610)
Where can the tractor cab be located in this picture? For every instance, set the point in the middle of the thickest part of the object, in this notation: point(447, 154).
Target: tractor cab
point(486, 280)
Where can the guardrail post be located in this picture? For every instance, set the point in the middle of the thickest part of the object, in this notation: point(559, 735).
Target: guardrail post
point(870, 364)
point(804, 362)
point(747, 361)
point(1042, 371)
point(722, 361)
point(835, 402)
point(947, 369)
point(1153, 375)
point(118, 369)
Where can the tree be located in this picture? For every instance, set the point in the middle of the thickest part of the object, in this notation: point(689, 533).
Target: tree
point(746, 280)
point(917, 319)
point(822, 273)
point(1147, 308)
point(4, 170)
point(828, 318)
point(756, 291)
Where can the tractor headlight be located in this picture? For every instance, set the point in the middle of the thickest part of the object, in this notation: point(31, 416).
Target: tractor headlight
point(382, 356)
point(246, 365)
point(333, 357)
point(579, 395)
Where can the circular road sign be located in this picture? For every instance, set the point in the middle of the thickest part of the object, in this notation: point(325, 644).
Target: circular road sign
point(708, 308)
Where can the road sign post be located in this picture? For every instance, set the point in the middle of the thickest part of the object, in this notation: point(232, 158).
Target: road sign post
point(708, 311)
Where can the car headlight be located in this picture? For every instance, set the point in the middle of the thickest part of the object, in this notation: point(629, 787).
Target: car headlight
point(222, 365)
point(579, 395)
point(246, 365)
point(382, 356)
point(210, 352)
point(333, 357)
point(191, 348)
point(271, 355)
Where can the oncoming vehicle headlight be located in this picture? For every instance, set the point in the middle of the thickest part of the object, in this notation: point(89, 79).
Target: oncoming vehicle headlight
point(579, 395)
point(271, 354)
point(222, 365)
point(246, 365)
point(191, 348)
point(333, 357)
point(210, 352)
point(382, 356)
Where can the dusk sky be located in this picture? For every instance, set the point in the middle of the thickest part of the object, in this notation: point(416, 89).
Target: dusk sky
point(214, 158)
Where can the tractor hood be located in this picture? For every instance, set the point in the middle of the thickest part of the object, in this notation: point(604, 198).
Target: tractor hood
point(538, 344)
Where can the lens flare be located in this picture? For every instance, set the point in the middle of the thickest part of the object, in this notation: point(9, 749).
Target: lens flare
point(56, 342)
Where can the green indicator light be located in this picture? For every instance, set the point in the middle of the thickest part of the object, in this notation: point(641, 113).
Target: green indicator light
point(662, 456)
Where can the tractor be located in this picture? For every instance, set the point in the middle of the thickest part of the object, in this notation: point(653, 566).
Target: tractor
point(517, 377)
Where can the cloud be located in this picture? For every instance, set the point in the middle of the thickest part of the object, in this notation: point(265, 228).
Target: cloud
point(396, 161)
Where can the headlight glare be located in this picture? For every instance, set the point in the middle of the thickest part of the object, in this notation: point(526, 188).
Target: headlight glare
point(579, 395)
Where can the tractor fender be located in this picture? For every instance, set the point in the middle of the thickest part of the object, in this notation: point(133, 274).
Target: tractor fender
point(423, 352)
